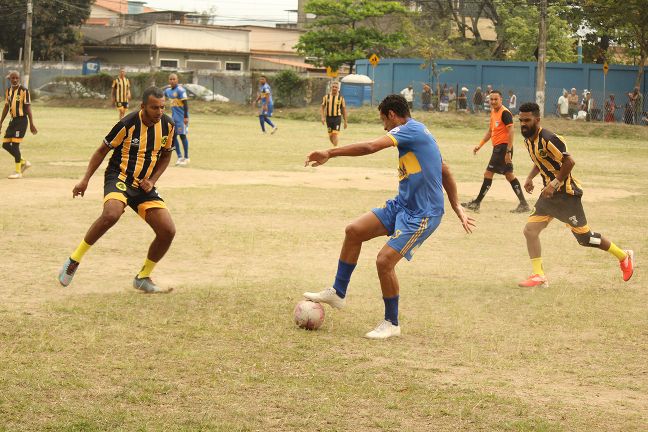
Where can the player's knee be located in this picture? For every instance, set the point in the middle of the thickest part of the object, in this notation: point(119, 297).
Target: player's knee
point(530, 232)
point(353, 232)
point(166, 232)
point(110, 216)
point(383, 263)
point(588, 239)
point(6, 146)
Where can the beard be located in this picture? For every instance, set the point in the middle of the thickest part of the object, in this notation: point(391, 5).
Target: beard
point(529, 131)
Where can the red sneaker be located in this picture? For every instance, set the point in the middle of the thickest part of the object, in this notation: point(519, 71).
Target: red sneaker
point(534, 281)
point(627, 265)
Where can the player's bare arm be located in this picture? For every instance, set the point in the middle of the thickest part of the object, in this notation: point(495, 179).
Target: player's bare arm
point(32, 127)
point(320, 157)
point(484, 140)
point(344, 116)
point(95, 162)
point(528, 184)
point(323, 113)
point(147, 184)
point(508, 157)
point(450, 187)
point(5, 110)
point(568, 163)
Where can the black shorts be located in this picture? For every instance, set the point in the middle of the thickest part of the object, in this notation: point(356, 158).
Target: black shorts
point(135, 198)
point(16, 130)
point(121, 104)
point(333, 124)
point(562, 206)
point(497, 164)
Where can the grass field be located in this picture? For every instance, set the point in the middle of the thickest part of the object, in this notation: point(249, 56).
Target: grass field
point(255, 229)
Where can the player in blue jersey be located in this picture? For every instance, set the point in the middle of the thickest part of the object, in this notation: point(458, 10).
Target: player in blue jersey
point(408, 219)
point(177, 96)
point(266, 105)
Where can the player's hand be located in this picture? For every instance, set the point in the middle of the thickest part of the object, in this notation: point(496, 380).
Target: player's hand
point(147, 185)
point(467, 222)
point(323, 121)
point(476, 149)
point(548, 191)
point(345, 125)
point(317, 158)
point(33, 129)
point(528, 185)
point(186, 121)
point(508, 158)
point(79, 189)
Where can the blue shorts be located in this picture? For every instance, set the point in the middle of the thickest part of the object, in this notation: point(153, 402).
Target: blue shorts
point(180, 127)
point(267, 113)
point(407, 233)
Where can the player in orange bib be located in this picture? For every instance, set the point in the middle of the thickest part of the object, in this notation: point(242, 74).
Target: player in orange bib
point(500, 133)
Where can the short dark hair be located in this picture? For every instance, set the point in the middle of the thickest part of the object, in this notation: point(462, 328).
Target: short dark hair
point(531, 107)
point(152, 91)
point(496, 91)
point(395, 103)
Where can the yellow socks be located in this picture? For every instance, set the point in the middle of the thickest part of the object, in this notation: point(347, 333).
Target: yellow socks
point(146, 269)
point(19, 167)
point(619, 253)
point(537, 266)
point(80, 251)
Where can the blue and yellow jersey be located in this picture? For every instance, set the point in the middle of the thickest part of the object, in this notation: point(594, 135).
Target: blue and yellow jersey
point(266, 94)
point(176, 96)
point(420, 189)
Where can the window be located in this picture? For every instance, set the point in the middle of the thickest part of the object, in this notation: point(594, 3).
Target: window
point(233, 66)
point(204, 64)
point(169, 63)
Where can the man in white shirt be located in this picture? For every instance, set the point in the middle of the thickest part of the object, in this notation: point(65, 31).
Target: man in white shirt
point(563, 105)
point(408, 94)
point(512, 105)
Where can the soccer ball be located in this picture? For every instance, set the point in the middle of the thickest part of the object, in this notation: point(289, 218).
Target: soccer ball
point(309, 315)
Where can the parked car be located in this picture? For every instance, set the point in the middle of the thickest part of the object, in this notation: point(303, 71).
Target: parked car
point(198, 92)
point(67, 89)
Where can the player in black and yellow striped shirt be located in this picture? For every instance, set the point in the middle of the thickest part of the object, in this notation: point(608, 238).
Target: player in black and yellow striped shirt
point(142, 143)
point(560, 197)
point(333, 112)
point(18, 105)
point(121, 93)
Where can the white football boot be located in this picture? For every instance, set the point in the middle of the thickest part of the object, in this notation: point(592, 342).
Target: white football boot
point(384, 330)
point(328, 296)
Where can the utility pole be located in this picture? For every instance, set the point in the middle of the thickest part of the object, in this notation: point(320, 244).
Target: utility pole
point(542, 57)
point(27, 58)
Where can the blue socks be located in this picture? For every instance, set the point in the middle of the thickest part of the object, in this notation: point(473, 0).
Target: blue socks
point(185, 145)
point(391, 309)
point(343, 277)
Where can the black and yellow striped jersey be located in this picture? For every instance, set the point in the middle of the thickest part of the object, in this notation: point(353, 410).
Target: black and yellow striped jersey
point(121, 87)
point(547, 152)
point(136, 147)
point(334, 104)
point(16, 99)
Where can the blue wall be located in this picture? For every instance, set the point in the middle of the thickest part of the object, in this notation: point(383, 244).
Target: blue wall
point(393, 75)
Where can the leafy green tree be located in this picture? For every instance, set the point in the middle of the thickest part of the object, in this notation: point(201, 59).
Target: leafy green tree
point(288, 84)
point(346, 30)
point(519, 27)
point(55, 27)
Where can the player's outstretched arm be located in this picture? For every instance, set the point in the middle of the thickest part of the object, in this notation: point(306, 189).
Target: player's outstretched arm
point(320, 157)
point(450, 187)
point(95, 161)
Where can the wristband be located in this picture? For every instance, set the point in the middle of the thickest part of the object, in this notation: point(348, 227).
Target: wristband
point(481, 143)
point(555, 183)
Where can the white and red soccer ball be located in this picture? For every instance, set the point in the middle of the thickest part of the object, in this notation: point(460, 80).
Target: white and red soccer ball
point(309, 315)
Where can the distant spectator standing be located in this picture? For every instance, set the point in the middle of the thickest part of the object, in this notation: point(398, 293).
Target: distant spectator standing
point(489, 90)
point(408, 94)
point(573, 103)
point(478, 100)
point(462, 100)
point(636, 100)
point(452, 99)
point(121, 93)
point(426, 98)
point(443, 99)
point(610, 108)
point(512, 105)
point(562, 108)
point(590, 107)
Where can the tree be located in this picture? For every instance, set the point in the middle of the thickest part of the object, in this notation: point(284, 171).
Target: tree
point(519, 28)
point(54, 29)
point(346, 30)
point(289, 84)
